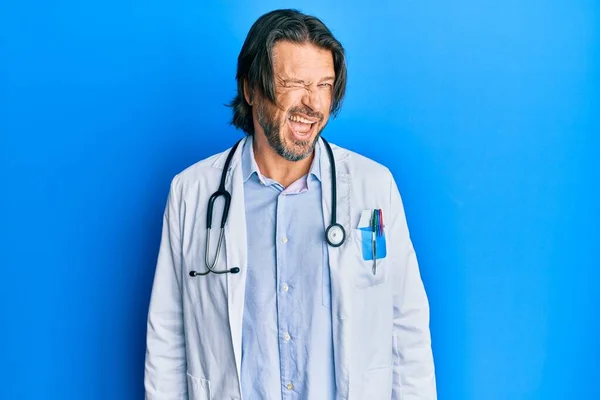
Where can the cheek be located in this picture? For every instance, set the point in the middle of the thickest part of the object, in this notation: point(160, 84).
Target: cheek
point(275, 114)
point(292, 98)
point(325, 104)
point(326, 100)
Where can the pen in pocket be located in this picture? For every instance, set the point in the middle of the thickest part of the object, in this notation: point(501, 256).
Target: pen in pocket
point(374, 233)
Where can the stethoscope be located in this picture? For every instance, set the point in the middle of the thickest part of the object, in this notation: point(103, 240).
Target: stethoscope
point(334, 234)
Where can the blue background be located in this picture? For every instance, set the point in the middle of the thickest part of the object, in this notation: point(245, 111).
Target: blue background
point(485, 111)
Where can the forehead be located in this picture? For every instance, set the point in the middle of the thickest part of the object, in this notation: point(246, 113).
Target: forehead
point(305, 60)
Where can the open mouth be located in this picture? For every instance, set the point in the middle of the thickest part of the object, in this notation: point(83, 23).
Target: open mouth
point(301, 127)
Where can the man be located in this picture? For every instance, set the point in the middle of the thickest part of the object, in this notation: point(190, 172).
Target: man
point(291, 315)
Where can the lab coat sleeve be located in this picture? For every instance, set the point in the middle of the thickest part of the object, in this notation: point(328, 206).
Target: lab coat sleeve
point(165, 367)
point(413, 366)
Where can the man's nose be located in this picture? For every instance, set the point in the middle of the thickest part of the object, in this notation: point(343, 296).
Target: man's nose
point(312, 99)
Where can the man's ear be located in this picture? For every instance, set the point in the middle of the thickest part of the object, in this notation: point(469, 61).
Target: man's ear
point(247, 94)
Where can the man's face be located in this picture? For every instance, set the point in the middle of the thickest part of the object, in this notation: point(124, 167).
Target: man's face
point(304, 77)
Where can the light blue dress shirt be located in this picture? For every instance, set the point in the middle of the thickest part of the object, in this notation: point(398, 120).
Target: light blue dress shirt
point(287, 342)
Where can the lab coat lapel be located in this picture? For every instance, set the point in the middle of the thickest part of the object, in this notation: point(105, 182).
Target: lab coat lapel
point(341, 288)
point(236, 251)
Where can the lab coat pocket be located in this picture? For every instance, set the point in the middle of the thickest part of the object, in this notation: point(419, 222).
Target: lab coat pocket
point(198, 388)
point(369, 273)
point(379, 383)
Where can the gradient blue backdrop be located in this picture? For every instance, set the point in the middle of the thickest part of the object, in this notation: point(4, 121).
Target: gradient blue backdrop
point(485, 111)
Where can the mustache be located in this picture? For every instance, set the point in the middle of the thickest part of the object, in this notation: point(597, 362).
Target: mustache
point(307, 111)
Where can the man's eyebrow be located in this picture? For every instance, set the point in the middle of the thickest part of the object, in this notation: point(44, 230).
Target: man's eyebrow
point(292, 80)
point(328, 78)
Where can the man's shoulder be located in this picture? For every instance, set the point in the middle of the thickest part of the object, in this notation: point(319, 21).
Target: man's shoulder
point(359, 165)
point(203, 169)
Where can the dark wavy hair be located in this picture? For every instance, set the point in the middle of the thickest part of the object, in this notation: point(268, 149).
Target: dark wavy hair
point(255, 61)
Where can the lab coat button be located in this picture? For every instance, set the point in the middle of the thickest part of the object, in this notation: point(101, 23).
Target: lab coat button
point(287, 337)
point(286, 288)
point(284, 239)
point(290, 386)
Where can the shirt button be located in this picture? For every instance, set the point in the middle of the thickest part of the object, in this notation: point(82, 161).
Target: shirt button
point(284, 239)
point(286, 288)
point(287, 337)
point(290, 386)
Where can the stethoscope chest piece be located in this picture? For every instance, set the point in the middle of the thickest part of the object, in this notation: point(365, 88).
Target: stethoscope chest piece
point(335, 235)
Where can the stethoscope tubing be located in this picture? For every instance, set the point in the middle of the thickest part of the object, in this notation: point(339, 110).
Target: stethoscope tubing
point(332, 231)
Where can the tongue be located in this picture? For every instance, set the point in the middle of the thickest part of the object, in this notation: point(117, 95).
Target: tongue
point(300, 127)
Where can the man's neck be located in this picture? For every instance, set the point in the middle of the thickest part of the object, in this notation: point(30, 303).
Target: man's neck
point(275, 167)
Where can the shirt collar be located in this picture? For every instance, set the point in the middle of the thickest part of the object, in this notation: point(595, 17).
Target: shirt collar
point(249, 166)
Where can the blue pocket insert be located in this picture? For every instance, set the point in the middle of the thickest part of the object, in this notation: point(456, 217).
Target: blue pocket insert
point(367, 244)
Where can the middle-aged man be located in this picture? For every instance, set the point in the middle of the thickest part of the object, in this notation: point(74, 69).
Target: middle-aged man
point(298, 308)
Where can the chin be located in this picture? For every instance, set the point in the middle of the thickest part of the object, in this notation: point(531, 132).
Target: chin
point(296, 149)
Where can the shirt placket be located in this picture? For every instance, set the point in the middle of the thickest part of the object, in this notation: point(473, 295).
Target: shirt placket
point(283, 300)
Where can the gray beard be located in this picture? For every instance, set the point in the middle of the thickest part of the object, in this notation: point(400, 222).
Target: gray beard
point(272, 132)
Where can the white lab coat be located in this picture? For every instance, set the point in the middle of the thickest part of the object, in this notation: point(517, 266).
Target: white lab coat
point(380, 322)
